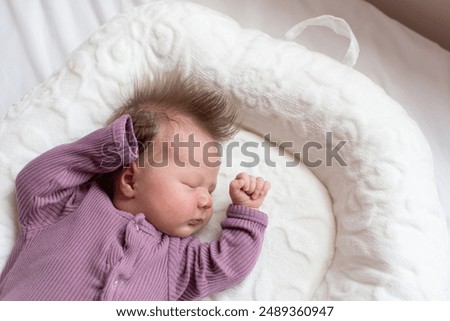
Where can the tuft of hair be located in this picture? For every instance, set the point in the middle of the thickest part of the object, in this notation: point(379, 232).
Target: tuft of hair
point(155, 101)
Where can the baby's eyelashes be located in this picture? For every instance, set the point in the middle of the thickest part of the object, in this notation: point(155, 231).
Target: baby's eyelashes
point(210, 189)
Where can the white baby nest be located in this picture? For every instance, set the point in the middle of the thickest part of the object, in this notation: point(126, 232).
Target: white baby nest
point(390, 241)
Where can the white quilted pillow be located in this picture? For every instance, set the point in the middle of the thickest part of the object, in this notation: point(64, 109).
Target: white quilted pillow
point(391, 240)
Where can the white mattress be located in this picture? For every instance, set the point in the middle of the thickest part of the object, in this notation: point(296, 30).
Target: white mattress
point(39, 35)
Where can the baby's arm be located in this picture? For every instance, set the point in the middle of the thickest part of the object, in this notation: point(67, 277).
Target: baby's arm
point(209, 268)
point(47, 183)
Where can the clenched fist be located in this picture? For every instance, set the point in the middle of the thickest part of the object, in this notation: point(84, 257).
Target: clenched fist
point(248, 190)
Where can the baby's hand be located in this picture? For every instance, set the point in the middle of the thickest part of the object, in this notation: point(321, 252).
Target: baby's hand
point(248, 190)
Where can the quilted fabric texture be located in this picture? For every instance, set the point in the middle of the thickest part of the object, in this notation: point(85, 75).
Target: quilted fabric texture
point(391, 240)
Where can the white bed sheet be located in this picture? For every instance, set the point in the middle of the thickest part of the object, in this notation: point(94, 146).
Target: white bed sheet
point(37, 36)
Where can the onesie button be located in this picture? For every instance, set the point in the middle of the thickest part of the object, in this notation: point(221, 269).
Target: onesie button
point(137, 227)
point(116, 282)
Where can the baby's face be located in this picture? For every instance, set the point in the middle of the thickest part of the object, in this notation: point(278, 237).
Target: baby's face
point(174, 190)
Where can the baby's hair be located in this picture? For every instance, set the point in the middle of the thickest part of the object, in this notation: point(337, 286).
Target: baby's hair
point(156, 101)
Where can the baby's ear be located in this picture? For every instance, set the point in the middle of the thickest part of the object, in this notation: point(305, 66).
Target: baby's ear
point(126, 180)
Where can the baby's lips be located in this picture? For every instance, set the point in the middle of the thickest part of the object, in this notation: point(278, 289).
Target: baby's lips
point(195, 222)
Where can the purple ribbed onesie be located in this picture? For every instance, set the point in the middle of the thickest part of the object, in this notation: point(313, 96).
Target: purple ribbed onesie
point(75, 245)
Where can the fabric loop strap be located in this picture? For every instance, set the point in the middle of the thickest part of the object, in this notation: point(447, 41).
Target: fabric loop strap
point(338, 25)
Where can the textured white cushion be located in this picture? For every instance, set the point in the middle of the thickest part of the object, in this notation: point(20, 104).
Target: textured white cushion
point(391, 240)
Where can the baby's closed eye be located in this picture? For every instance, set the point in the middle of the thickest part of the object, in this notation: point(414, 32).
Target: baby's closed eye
point(190, 185)
point(195, 185)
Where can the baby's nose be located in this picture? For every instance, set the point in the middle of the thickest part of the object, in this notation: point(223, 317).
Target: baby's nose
point(205, 201)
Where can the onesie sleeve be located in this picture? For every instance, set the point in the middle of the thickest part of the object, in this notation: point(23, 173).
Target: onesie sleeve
point(46, 185)
point(207, 268)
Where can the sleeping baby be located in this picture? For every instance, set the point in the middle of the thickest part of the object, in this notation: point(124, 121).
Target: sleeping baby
point(112, 215)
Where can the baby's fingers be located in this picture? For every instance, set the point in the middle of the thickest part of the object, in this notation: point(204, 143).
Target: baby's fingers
point(266, 188)
point(236, 184)
point(246, 181)
point(259, 185)
point(251, 185)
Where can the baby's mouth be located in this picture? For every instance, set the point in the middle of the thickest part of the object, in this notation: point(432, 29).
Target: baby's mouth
point(195, 222)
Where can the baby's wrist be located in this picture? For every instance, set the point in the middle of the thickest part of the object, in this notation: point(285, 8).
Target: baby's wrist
point(246, 205)
point(245, 212)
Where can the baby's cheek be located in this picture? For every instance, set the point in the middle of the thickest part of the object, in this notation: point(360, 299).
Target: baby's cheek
point(184, 203)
